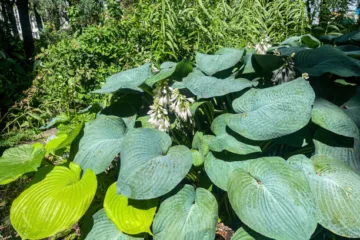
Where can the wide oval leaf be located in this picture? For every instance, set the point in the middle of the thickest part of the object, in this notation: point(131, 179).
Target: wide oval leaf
point(129, 79)
point(224, 59)
point(101, 142)
point(272, 112)
point(336, 190)
point(329, 116)
point(189, 214)
point(130, 216)
point(53, 204)
point(225, 141)
point(273, 199)
point(20, 160)
point(208, 87)
point(326, 59)
point(105, 229)
point(149, 166)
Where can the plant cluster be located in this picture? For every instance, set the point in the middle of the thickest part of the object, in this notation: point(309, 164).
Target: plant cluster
point(270, 147)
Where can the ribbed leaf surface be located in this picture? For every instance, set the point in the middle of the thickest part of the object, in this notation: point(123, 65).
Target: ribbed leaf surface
point(273, 199)
point(130, 216)
point(272, 112)
point(189, 214)
point(20, 160)
point(105, 229)
point(101, 142)
point(329, 116)
point(54, 204)
point(149, 166)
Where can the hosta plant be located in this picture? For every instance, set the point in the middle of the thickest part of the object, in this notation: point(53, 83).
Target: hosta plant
point(267, 145)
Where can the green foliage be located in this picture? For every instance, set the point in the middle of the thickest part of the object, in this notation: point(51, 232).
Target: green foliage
point(267, 141)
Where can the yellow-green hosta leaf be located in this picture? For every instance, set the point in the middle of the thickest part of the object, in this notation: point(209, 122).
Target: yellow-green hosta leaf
point(20, 160)
point(273, 199)
point(53, 204)
point(329, 116)
point(272, 112)
point(189, 214)
point(130, 216)
point(52, 145)
point(105, 229)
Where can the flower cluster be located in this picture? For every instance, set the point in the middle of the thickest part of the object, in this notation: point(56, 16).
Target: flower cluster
point(263, 45)
point(181, 105)
point(166, 98)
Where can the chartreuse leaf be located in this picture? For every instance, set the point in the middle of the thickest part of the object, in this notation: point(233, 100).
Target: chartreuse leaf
point(219, 171)
point(266, 113)
point(129, 79)
point(150, 167)
point(105, 229)
point(225, 141)
point(53, 204)
point(207, 87)
point(336, 190)
point(273, 199)
point(101, 142)
point(130, 216)
point(224, 59)
point(241, 234)
point(188, 214)
point(329, 116)
point(20, 160)
point(326, 59)
point(53, 144)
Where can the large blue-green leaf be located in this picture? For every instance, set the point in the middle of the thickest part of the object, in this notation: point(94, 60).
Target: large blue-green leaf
point(224, 59)
point(329, 116)
point(53, 204)
point(336, 190)
point(272, 112)
point(189, 214)
point(219, 171)
point(349, 155)
point(352, 108)
point(20, 160)
point(105, 229)
point(207, 87)
point(326, 59)
point(150, 167)
point(130, 216)
point(225, 141)
point(273, 199)
point(129, 79)
point(101, 142)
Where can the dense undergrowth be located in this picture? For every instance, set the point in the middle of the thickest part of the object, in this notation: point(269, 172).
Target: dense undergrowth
point(149, 31)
